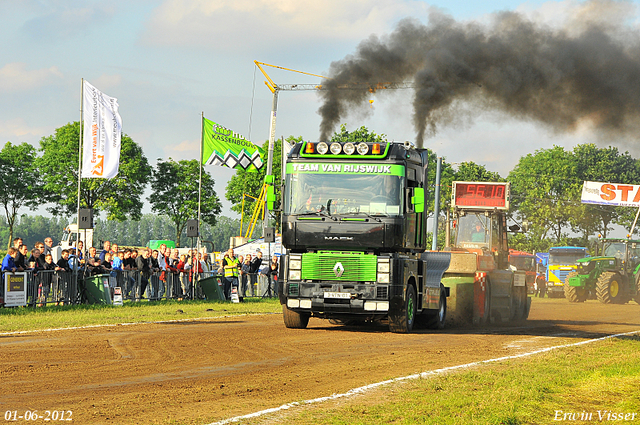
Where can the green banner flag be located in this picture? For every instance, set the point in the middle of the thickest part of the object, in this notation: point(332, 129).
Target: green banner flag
point(222, 146)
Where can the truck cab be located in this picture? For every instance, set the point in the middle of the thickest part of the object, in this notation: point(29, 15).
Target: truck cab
point(354, 225)
point(526, 262)
point(562, 262)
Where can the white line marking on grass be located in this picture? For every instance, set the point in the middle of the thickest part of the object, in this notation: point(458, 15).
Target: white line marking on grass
point(427, 374)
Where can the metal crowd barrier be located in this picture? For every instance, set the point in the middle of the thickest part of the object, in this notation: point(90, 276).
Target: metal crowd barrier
point(48, 287)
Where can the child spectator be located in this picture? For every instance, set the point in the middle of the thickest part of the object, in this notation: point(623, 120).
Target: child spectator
point(106, 264)
point(63, 263)
point(116, 263)
point(8, 263)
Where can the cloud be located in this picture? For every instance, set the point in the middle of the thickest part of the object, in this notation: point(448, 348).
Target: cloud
point(18, 130)
point(15, 77)
point(246, 24)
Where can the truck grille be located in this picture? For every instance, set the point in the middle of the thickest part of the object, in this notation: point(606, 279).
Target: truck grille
point(340, 266)
point(382, 292)
point(561, 275)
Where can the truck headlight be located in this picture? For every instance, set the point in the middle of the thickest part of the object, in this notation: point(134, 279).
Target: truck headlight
point(295, 267)
point(294, 274)
point(384, 270)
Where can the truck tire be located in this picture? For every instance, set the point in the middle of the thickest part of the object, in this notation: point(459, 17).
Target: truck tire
point(293, 319)
point(610, 288)
point(402, 321)
point(573, 293)
point(437, 321)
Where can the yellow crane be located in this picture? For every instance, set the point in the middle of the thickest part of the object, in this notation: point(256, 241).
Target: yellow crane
point(261, 204)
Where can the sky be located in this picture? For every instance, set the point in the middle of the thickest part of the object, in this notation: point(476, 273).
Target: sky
point(169, 61)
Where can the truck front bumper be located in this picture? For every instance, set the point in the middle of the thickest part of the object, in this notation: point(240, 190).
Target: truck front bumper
point(333, 299)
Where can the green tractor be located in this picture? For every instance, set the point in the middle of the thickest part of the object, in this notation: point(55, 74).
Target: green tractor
point(612, 276)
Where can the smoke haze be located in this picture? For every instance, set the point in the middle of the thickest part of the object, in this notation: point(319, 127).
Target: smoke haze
point(585, 71)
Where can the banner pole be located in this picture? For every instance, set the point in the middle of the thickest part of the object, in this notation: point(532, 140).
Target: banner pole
point(633, 226)
point(200, 179)
point(80, 129)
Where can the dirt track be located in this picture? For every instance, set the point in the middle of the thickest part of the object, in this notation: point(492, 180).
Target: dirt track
point(203, 371)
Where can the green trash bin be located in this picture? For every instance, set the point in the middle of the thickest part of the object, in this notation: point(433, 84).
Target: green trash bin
point(96, 289)
point(211, 288)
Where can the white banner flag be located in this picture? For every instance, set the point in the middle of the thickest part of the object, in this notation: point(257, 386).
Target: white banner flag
point(102, 133)
point(624, 195)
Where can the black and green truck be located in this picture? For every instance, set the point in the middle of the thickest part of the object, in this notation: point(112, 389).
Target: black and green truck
point(354, 225)
point(612, 276)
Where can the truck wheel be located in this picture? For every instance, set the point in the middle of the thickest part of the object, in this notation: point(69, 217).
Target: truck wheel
point(402, 321)
point(610, 288)
point(438, 320)
point(294, 320)
point(573, 293)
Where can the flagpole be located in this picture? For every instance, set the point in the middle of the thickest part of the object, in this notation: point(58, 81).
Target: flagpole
point(75, 268)
point(200, 179)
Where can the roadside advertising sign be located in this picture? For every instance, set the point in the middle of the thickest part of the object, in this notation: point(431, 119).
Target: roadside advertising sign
point(117, 296)
point(15, 289)
point(623, 195)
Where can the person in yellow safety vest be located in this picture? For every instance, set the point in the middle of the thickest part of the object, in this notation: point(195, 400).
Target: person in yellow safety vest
point(231, 269)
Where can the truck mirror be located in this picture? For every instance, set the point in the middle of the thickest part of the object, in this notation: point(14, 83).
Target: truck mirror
point(271, 198)
point(418, 199)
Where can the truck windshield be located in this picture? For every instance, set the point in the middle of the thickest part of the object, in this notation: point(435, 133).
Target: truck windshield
point(526, 264)
point(569, 257)
point(374, 194)
point(473, 231)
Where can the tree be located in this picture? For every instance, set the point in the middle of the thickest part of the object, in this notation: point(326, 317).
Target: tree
point(119, 197)
point(174, 188)
point(543, 190)
point(20, 184)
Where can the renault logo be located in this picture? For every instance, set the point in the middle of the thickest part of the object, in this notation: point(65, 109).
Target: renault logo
point(338, 269)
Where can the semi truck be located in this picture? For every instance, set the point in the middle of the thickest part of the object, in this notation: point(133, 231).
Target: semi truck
point(354, 225)
point(526, 262)
point(562, 261)
point(483, 287)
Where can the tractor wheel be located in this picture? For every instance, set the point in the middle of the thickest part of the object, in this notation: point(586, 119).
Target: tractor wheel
point(636, 297)
point(437, 320)
point(610, 288)
point(573, 293)
point(294, 320)
point(402, 321)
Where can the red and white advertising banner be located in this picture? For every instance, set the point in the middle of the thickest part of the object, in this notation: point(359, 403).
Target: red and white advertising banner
point(623, 195)
point(102, 133)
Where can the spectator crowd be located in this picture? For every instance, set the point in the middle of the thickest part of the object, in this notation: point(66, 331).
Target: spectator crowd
point(153, 274)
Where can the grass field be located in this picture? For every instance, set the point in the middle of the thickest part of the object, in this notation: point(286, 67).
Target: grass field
point(28, 319)
point(595, 383)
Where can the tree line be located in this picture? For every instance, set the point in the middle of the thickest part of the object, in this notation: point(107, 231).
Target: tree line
point(32, 177)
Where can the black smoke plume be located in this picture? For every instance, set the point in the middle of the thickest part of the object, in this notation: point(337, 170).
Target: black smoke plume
point(584, 71)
